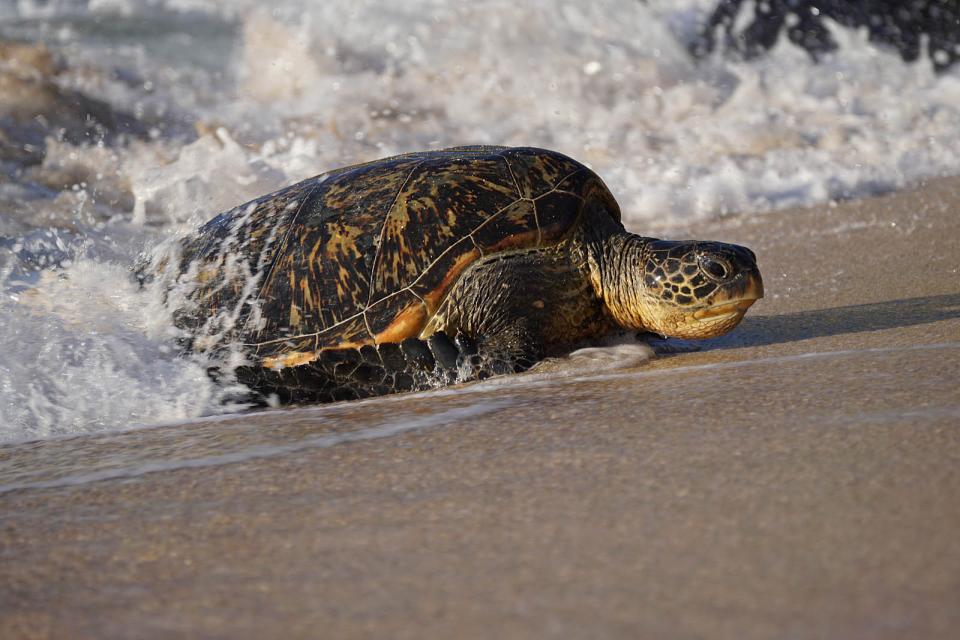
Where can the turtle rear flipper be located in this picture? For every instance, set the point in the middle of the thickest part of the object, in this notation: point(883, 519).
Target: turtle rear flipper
point(412, 365)
point(349, 373)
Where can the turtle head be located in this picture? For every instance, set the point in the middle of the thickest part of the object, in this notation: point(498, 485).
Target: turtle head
point(685, 289)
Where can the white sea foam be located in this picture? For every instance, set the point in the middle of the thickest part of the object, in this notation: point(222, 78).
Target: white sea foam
point(81, 354)
point(237, 99)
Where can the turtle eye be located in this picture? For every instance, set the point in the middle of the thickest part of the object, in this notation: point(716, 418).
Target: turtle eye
point(715, 268)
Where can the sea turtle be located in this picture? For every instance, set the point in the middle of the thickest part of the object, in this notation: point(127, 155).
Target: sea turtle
point(440, 266)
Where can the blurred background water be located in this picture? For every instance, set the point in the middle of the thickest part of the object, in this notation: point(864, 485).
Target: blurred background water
point(125, 123)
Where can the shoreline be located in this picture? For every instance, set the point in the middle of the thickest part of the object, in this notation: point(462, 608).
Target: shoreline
point(795, 477)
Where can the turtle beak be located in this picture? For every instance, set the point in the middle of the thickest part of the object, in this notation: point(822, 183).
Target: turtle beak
point(741, 299)
point(725, 308)
point(754, 286)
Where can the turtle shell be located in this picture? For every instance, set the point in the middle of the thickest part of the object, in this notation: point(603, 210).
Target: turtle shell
point(366, 254)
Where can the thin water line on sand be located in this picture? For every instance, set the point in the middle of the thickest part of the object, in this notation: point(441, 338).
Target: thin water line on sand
point(383, 430)
point(810, 355)
point(534, 380)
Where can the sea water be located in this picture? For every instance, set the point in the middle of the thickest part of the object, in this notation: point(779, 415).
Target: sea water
point(204, 104)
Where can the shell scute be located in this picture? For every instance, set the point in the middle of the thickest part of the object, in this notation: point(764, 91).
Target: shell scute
point(323, 270)
point(514, 227)
point(226, 261)
point(437, 278)
point(557, 211)
point(448, 197)
point(396, 317)
point(537, 171)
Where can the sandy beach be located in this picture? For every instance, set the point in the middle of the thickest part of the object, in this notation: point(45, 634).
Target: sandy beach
point(797, 478)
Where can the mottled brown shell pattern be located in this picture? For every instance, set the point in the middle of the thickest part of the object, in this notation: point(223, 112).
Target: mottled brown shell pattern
point(366, 254)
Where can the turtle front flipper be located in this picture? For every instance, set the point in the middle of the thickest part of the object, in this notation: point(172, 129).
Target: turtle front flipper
point(441, 360)
point(507, 352)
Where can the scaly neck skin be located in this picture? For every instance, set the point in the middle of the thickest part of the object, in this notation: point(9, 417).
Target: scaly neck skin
point(616, 262)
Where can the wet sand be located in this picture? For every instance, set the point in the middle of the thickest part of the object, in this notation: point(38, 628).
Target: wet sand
point(798, 478)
